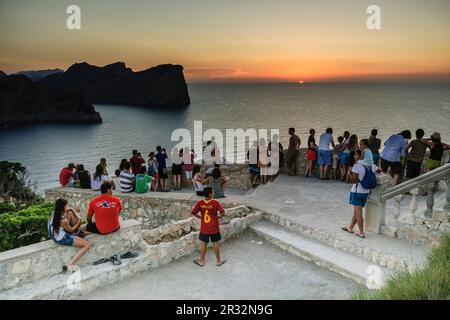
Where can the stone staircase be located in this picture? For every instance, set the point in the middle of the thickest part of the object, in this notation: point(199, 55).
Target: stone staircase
point(367, 261)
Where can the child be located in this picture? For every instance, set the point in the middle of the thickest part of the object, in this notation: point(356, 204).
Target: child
point(311, 153)
point(211, 211)
point(143, 180)
point(153, 170)
point(366, 154)
point(358, 194)
point(337, 156)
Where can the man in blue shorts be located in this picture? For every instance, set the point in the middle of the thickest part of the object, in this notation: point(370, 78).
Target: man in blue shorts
point(324, 153)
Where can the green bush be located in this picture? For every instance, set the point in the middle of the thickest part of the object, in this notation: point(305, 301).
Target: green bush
point(6, 207)
point(24, 227)
point(432, 282)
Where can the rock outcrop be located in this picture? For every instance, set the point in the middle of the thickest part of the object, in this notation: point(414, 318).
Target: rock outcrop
point(163, 85)
point(2, 74)
point(25, 101)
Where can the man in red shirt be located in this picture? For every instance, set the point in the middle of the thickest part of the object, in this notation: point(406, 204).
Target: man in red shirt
point(106, 209)
point(136, 162)
point(211, 211)
point(65, 175)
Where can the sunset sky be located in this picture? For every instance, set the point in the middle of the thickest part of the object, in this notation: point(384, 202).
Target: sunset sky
point(234, 40)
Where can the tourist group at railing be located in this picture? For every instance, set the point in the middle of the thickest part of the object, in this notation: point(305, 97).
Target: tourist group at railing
point(352, 160)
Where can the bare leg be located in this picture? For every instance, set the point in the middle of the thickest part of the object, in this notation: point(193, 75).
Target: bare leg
point(80, 243)
point(201, 259)
point(352, 224)
point(360, 220)
point(216, 249)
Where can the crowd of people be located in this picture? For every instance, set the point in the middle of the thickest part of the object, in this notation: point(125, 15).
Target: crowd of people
point(141, 176)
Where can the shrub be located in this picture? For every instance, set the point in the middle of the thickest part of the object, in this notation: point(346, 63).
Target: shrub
point(432, 282)
point(6, 207)
point(24, 227)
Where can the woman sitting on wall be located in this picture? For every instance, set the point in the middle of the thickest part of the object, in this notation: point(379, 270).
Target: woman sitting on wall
point(217, 182)
point(62, 231)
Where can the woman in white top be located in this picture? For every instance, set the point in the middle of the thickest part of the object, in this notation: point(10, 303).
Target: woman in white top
point(99, 178)
point(359, 194)
point(61, 231)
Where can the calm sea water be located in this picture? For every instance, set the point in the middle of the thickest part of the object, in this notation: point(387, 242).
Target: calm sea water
point(390, 108)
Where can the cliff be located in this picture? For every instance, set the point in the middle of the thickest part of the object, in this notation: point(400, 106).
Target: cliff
point(2, 74)
point(39, 74)
point(163, 85)
point(25, 101)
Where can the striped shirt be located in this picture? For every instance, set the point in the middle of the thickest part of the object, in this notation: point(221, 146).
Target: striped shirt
point(126, 181)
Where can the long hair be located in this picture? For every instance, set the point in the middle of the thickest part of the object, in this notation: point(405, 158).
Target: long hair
point(353, 141)
point(98, 172)
point(58, 213)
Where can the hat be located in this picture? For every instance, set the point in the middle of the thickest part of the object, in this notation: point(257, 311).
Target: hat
point(436, 135)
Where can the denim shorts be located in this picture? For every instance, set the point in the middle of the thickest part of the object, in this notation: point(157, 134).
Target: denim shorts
point(324, 157)
point(344, 158)
point(67, 240)
point(358, 199)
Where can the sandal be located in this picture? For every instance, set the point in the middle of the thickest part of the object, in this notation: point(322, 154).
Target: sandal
point(360, 236)
point(129, 255)
point(198, 263)
point(346, 229)
point(221, 262)
point(115, 260)
point(100, 261)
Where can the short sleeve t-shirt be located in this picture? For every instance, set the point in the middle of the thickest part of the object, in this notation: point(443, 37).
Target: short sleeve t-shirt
point(294, 142)
point(65, 175)
point(359, 168)
point(418, 150)
point(394, 148)
point(161, 158)
point(142, 181)
point(325, 140)
point(106, 210)
point(209, 210)
point(126, 181)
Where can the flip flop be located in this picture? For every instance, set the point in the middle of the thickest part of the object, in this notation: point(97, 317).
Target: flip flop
point(221, 262)
point(360, 236)
point(129, 255)
point(346, 229)
point(198, 263)
point(115, 260)
point(100, 261)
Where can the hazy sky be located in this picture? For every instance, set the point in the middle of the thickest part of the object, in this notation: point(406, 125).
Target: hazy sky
point(234, 40)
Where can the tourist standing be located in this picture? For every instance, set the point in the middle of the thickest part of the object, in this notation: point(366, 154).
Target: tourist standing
point(177, 168)
point(210, 213)
point(189, 164)
point(136, 162)
point(275, 154)
point(337, 156)
point(293, 151)
point(161, 157)
point(394, 150)
point(153, 170)
point(106, 209)
point(311, 154)
point(263, 160)
point(324, 153)
point(415, 154)
point(359, 194)
point(437, 148)
point(345, 155)
point(62, 232)
point(374, 146)
point(126, 179)
point(253, 160)
point(352, 148)
point(66, 175)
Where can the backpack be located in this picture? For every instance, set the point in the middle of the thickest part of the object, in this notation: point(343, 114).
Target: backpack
point(369, 181)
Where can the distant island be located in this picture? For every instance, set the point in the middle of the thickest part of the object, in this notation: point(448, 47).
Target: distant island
point(69, 96)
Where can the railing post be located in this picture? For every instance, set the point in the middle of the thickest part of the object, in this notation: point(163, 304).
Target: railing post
point(375, 208)
point(430, 187)
point(447, 195)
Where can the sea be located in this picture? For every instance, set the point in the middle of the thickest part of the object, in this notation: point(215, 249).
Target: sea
point(389, 107)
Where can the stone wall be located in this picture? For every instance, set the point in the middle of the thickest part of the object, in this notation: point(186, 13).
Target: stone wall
point(151, 209)
point(45, 259)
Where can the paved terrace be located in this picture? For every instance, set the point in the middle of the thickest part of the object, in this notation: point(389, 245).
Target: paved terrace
point(255, 269)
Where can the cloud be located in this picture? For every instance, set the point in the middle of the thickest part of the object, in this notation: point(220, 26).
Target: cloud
point(214, 73)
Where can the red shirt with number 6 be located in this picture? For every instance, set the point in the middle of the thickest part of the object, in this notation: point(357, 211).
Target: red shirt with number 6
point(209, 210)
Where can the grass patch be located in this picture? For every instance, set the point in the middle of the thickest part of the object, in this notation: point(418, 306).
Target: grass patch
point(432, 282)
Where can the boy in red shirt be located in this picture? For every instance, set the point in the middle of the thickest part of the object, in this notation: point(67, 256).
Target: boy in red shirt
point(211, 211)
point(106, 209)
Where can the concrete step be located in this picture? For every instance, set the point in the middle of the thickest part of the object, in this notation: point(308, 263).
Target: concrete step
point(87, 279)
point(390, 253)
point(355, 268)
